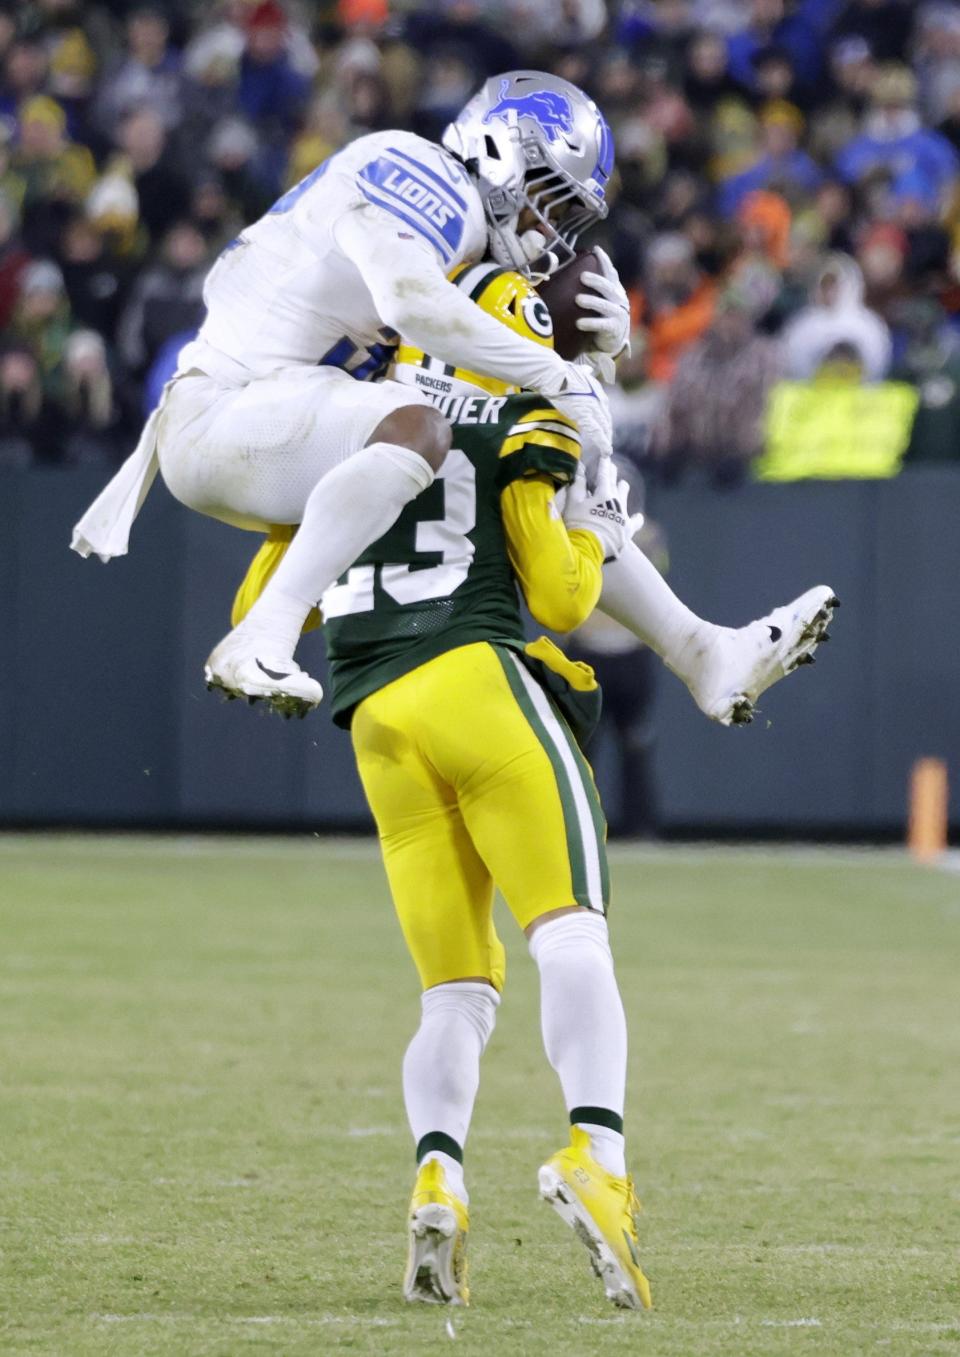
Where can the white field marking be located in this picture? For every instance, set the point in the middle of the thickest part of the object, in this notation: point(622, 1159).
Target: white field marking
point(362, 1132)
point(451, 1331)
point(790, 1323)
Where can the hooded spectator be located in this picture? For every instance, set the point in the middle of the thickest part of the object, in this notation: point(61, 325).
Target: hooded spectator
point(894, 140)
point(837, 315)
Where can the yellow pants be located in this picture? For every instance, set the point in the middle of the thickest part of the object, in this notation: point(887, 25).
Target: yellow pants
point(474, 780)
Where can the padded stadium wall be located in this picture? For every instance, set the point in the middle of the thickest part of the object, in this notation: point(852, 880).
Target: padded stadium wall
point(104, 719)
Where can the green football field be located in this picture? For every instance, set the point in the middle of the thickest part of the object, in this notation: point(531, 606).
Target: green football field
point(203, 1150)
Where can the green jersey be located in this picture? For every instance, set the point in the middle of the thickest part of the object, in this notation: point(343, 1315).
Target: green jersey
point(441, 576)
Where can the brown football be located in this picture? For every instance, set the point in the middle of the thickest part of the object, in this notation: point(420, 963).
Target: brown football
point(560, 294)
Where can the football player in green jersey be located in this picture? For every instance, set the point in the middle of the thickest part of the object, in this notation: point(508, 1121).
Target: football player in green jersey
point(467, 744)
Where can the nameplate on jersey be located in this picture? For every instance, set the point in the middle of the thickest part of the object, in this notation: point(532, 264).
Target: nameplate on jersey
point(418, 196)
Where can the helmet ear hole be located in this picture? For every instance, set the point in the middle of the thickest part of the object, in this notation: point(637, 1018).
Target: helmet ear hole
point(493, 150)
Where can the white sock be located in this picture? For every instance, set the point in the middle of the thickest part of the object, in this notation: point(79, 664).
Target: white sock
point(350, 507)
point(441, 1071)
point(637, 596)
point(584, 1027)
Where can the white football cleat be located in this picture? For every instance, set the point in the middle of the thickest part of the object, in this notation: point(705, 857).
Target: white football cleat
point(241, 666)
point(727, 668)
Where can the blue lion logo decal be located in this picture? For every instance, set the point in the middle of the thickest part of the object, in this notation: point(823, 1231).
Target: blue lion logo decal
point(550, 110)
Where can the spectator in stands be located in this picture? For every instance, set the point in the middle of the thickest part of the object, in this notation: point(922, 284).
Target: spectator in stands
point(775, 23)
point(94, 274)
point(931, 363)
point(163, 191)
point(676, 304)
point(916, 212)
point(234, 152)
point(42, 321)
point(93, 429)
point(166, 298)
point(886, 25)
point(882, 257)
point(893, 139)
point(25, 72)
point(13, 260)
point(707, 79)
point(29, 428)
point(272, 92)
point(782, 165)
point(936, 58)
point(714, 417)
point(147, 79)
point(837, 315)
point(57, 173)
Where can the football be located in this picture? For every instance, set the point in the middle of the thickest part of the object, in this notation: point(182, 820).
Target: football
point(559, 291)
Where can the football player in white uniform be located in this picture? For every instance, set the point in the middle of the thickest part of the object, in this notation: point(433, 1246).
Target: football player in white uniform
point(273, 416)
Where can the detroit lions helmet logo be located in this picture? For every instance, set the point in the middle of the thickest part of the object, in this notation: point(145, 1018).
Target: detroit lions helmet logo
point(548, 109)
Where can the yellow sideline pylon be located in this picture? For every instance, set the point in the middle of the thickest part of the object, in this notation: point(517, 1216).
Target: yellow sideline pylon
point(927, 823)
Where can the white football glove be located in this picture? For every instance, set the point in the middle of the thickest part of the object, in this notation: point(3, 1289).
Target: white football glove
point(584, 400)
point(610, 325)
point(603, 510)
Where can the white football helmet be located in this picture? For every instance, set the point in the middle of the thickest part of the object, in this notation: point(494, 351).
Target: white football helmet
point(533, 141)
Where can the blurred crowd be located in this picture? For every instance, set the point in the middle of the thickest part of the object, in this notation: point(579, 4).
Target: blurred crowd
point(785, 214)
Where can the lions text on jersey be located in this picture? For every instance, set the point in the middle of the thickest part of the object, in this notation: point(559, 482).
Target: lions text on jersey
point(284, 292)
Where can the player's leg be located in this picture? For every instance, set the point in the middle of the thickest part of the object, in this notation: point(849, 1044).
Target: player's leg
point(531, 806)
point(725, 668)
point(313, 447)
point(443, 895)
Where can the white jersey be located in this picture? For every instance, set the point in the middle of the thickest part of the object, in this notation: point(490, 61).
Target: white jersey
point(285, 292)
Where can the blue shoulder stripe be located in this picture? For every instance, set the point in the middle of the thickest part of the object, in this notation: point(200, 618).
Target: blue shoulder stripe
point(418, 224)
point(432, 174)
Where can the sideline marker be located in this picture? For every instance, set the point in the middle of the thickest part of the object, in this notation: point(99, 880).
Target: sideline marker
point(927, 824)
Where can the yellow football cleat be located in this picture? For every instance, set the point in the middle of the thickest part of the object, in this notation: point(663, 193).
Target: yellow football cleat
point(437, 1254)
point(603, 1211)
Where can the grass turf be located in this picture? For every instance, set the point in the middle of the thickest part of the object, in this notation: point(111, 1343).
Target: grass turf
point(203, 1151)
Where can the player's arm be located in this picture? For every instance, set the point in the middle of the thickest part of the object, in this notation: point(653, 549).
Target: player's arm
point(413, 296)
point(557, 564)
